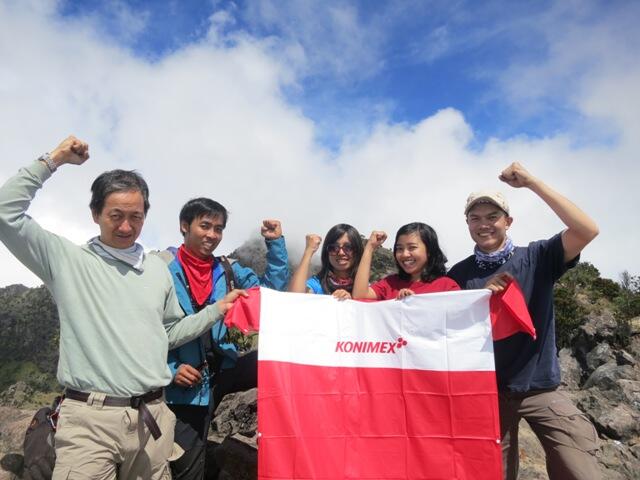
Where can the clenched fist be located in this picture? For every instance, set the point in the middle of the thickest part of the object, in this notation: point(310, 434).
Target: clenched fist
point(271, 229)
point(71, 150)
point(376, 239)
point(517, 176)
point(313, 242)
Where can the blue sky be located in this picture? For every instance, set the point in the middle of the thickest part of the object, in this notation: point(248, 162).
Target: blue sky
point(410, 59)
point(324, 111)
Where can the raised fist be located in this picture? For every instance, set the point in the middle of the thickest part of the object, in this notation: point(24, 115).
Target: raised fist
point(313, 242)
point(271, 229)
point(376, 239)
point(516, 176)
point(71, 150)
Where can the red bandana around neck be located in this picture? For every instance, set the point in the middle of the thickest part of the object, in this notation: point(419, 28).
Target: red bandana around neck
point(198, 273)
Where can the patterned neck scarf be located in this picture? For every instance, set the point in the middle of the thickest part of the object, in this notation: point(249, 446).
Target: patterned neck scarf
point(132, 256)
point(491, 260)
point(334, 283)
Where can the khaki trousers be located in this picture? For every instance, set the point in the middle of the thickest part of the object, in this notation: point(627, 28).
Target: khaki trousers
point(99, 442)
point(568, 437)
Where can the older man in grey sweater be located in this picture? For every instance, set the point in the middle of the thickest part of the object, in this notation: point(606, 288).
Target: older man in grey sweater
point(118, 317)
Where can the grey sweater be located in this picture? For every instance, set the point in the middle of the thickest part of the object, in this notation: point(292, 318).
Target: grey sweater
point(116, 323)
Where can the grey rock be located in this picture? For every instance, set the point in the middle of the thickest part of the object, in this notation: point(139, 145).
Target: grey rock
point(13, 465)
point(617, 460)
point(571, 372)
point(597, 328)
point(16, 395)
point(634, 324)
point(605, 376)
point(13, 425)
point(237, 413)
point(630, 390)
point(634, 346)
point(232, 451)
point(617, 421)
point(620, 422)
point(599, 355)
point(625, 358)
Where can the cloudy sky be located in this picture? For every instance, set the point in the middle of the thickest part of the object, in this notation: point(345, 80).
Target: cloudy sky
point(319, 111)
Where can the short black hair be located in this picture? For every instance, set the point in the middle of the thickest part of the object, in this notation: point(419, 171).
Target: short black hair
point(436, 259)
point(117, 181)
point(197, 207)
point(332, 236)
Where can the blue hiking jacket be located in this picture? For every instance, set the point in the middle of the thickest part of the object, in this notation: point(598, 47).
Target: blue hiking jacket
point(276, 276)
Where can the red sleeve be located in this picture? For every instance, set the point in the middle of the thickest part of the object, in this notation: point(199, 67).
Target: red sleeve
point(382, 289)
point(450, 284)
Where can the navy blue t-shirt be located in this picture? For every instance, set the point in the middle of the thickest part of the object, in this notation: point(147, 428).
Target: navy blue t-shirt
point(524, 364)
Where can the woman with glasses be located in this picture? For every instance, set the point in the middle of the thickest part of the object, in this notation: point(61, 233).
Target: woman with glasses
point(341, 253)
point(420, 262)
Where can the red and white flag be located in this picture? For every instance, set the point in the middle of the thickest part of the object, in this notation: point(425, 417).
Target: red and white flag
point(383, 390)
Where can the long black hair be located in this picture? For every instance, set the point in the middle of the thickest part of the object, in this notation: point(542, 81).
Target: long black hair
point(332, 236)
point(436, 260)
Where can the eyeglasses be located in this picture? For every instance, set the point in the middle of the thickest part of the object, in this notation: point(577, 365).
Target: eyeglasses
point(334, 249)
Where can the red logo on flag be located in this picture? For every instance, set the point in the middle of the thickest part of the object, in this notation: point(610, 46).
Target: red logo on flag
point(363, 346)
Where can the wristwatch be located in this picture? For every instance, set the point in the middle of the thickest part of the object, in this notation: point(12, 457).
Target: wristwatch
point(46, 158)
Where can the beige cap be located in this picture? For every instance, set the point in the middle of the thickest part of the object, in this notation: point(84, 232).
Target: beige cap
point(487, 196)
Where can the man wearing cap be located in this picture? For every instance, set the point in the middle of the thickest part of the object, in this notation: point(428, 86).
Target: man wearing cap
point(527, 370)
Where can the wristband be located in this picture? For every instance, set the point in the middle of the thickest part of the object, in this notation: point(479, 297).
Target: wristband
point(46, 158)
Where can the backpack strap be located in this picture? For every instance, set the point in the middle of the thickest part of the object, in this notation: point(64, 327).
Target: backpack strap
point(215, 358)
point(228, 273)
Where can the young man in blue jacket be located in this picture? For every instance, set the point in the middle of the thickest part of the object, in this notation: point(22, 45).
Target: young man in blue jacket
point(209, 367)
point(527, 370)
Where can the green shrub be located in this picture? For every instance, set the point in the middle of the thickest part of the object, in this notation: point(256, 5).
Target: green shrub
point(28, 372)
point(569, 313)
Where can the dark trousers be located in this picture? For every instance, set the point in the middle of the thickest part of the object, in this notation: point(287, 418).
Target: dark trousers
point(192, 422)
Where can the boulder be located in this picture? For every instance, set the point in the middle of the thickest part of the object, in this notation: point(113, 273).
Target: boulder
point(634, 325)
point(597, 328)
point(631, 392)
point(605, 377)
point(624, 358)
point(615, 420)
point(16, 395)
point(13, 425)
point(232, 450)
point(634, 346)
point(599, 355)
point(617, 461)
point(570, 369)
point(237, 413)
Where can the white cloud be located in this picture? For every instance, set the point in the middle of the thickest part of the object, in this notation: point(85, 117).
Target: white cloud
point(324, 38)
point(210, 119)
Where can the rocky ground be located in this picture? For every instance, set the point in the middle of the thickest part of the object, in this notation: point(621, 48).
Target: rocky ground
point(602, 380)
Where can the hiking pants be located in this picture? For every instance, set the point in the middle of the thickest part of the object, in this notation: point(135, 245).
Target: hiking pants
point(104, 443)
point(568, 437)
